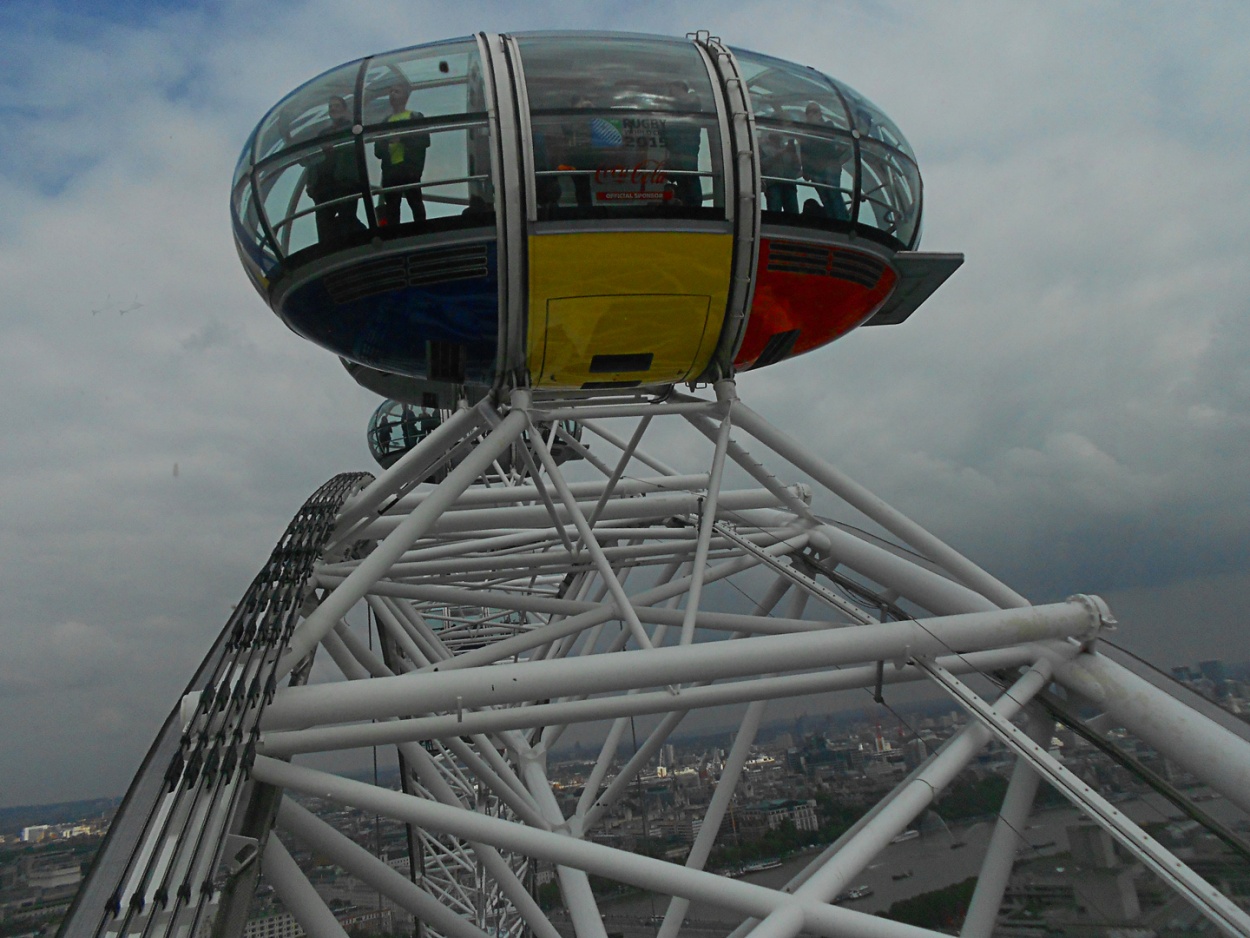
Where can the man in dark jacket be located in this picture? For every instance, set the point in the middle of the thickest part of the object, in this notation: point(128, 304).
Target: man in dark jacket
point(333, 183)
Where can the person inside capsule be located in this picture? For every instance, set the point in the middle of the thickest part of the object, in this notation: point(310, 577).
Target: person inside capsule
point(822, 165)
point(779, 167)
point(403, 163)
point(383, 436)
point(332, 180)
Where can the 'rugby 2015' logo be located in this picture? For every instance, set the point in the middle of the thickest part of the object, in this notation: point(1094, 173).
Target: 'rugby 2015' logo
point(605, 132)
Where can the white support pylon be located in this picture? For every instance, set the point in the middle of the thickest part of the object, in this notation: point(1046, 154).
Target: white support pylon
point(626, 584)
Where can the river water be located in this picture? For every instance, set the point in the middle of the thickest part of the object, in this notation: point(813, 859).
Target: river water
point(933, 861)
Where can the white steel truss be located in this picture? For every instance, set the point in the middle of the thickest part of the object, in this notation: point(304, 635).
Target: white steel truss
point(728, 566)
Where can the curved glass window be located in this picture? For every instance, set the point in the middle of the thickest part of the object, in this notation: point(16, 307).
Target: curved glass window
point(807, 154)
point(244, 164)
point(806, 173)
point(622, 127)
point(420, 174)
point(784, 91)
point(872, 122)
point(829, 157)
point(417, 176)
point(444, 80)
point(889, 191)
point(315, 198)
point(384, 147)
point(396, 427)
point(304, 114)
point(255, 250)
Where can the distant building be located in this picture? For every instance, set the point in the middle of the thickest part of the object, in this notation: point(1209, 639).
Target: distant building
point(1213, 671)
point(276, 924)
point(281, 924)
point(56, 879)
point(770, 815)
point(687, 827)
point(818, 753)
point(37, 833)
point(401, 863)
point(373, 921)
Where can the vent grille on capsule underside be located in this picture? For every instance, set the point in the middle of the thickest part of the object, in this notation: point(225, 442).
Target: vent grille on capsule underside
point(793, 257)
point(421, 268)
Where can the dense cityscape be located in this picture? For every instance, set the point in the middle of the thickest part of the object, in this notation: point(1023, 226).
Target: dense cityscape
point(806, 782)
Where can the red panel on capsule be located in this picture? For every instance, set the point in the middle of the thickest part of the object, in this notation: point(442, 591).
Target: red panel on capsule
point(807, 295)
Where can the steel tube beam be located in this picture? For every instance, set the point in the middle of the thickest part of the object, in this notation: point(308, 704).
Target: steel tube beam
point(368, 665)
point(716, 808)
point(640, 455)
point(1000, 855)
point(410, 466)
point(529, 492)
point(297, 893)
point(643, 507)
point(419, 629)
point(825, 884)
point(487, 853)
point(395, 630)
point(342, 658)
point(461, 547)
point(1212, 753)
point(831, 851)
point(594, 781)
point(792, 497)
point(353, 589)
point(927, 589)
point(359, 862)
point(1218, 908)
point(707, 523)
point(621, 600)
point(552, 631)
point(574, 883)
point(785, 922)
point(527, 564)
point(443, 690)
point(879, 511)
point(647, 873)
point(611, 486)
point(637, 762)
point(583, 412)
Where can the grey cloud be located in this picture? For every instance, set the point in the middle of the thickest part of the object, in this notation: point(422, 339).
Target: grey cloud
point(215, 334)
point(1070, 409)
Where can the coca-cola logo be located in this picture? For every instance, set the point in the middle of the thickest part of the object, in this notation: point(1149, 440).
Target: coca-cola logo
point(642, 174)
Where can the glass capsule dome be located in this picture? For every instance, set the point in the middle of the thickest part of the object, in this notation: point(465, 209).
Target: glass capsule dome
point(574, 210)
point(396, 427)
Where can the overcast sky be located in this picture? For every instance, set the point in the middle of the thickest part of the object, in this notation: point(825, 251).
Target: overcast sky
point(1072, 409)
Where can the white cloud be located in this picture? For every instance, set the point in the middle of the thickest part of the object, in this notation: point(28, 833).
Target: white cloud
point(1071, 408)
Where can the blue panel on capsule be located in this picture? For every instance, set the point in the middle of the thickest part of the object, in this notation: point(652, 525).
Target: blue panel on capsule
point(384, 312)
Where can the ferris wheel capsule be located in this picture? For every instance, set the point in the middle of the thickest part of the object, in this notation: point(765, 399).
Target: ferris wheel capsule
point(396, 427)
point(578, 211)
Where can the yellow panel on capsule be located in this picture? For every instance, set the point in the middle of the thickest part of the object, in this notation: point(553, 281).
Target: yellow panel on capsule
point(617, 307)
